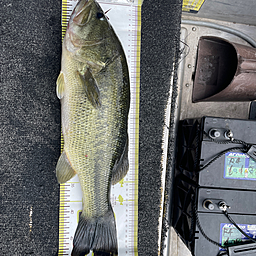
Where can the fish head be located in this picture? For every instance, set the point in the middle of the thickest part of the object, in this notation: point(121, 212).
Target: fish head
point(87, 26)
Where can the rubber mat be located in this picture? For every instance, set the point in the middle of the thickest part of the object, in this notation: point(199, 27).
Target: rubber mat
point(159, 48)
point(30, 39)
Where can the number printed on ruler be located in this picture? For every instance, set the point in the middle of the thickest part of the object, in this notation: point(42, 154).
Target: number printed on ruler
point(124, 195)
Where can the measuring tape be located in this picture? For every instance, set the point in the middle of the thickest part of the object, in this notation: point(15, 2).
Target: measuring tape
point(125, 17)
point(192, 5)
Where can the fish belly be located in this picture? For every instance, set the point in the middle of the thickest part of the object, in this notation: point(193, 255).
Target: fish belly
point(93, 139)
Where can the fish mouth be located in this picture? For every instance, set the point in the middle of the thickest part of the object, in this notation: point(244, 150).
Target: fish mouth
point(82, 13)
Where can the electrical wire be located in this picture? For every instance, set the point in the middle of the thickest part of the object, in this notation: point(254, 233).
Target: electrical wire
point(221, 27)
point(219, 155)
point(221, 253)
point(234, 223)
point(224, 252)
point(201, 229)
point(232, 140)
point(245, 148)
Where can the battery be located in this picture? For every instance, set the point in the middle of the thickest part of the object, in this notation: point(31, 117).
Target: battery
point(240, 201)
point(204, 141)
point(217, 227)
point(191, 201)
point(215, 175)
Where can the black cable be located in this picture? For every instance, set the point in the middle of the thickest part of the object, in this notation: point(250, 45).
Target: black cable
point(225, 252)
point(247, 145)
point(243, 149)
point(232, 140)
point(201, 229)
point(219, 155)
point(220, 253)
point(234, 223)
point(214, 242)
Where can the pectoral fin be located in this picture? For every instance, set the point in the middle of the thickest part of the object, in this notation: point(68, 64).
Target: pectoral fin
point(60, 86)
point(64, 171)
point(91, 88)
point(121, 167)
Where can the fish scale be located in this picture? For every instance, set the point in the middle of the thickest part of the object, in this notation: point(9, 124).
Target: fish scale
point(94, 90)
point(70, 195)
point(91, 206)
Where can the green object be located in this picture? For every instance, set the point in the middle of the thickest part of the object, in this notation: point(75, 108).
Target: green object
point(120, 199)
point(239, 166)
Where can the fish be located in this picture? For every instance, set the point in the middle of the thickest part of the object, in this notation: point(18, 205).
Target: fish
point(94, 91)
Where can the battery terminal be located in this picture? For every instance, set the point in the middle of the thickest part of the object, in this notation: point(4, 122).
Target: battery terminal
point(214, 133)
point(229, 135)
point(208, 204)
point(223, 206)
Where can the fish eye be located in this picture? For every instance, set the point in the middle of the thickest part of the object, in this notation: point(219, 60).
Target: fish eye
point(100, 15)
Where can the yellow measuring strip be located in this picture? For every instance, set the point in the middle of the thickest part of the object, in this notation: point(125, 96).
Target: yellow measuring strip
point(137, 128)
point(61, 221)
point(192, 5)
point(64, 17)
point(62, 186)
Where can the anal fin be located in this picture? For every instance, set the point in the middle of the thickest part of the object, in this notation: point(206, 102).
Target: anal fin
point(122, 166)
point(64, 171)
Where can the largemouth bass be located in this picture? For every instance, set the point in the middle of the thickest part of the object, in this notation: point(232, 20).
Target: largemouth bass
point(93, 87)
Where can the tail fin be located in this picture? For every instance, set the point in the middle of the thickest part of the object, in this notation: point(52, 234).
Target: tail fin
point(97, 234)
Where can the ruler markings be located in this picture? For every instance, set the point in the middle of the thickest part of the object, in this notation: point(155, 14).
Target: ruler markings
point(66, 194)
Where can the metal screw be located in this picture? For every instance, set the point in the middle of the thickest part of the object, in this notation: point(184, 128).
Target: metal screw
point(194, 29)
point(189, 65)
point(187, 85)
